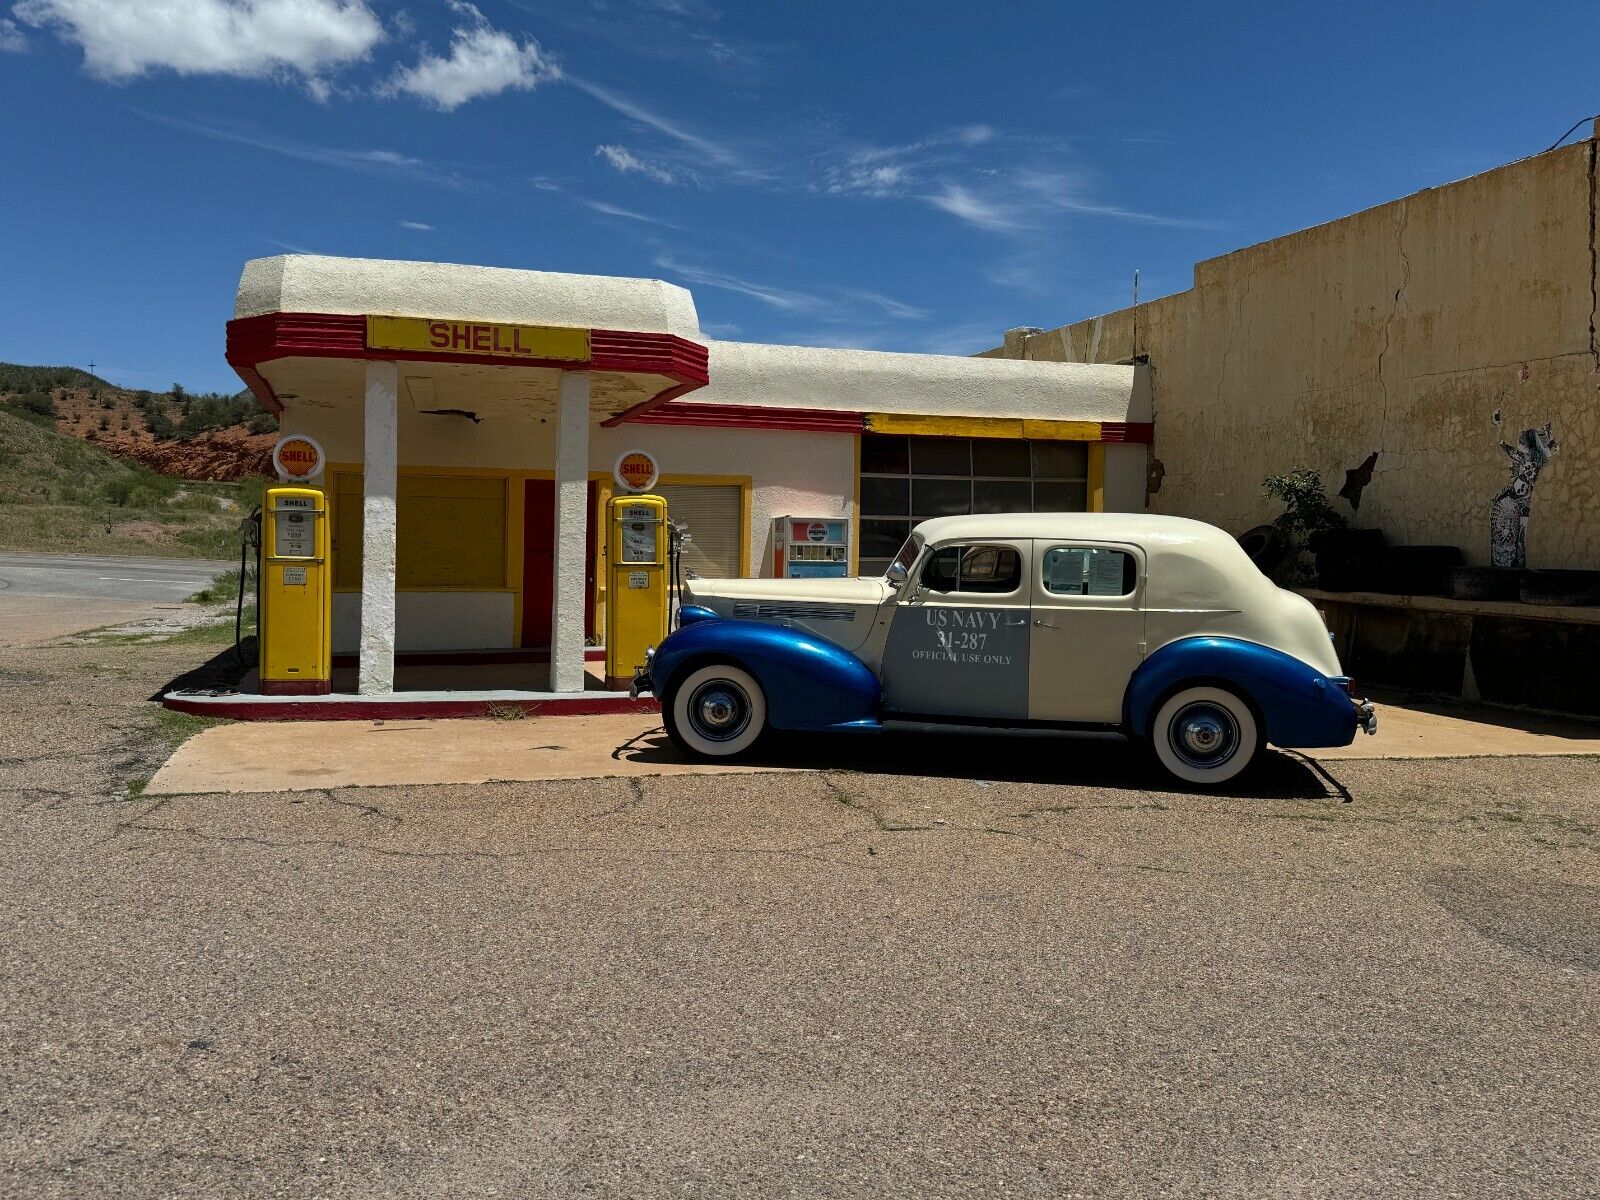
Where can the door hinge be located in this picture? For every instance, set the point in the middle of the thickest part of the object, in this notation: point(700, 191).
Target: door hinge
point(1142, 649)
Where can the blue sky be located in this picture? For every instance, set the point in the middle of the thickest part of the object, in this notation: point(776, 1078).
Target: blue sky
point(910, 176)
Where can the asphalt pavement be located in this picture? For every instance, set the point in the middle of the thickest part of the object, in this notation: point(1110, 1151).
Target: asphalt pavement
point(106, 578)
point(933, 974)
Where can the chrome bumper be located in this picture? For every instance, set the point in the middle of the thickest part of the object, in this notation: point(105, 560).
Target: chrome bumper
point(1366, 716)
point(641, 683)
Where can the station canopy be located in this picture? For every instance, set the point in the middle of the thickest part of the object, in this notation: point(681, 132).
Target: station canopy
point(494, 341)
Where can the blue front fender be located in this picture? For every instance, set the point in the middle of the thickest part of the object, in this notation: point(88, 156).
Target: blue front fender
point(811, 684)
point(1299, 705)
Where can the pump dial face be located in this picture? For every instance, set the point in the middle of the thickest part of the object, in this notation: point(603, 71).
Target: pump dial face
point(639, 541)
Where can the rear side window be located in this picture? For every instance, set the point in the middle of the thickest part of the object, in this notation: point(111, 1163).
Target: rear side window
point(1089, 571)
point(990, 570)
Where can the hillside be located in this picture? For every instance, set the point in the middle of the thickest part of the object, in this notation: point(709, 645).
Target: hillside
point(188, 435)
point(65, 495)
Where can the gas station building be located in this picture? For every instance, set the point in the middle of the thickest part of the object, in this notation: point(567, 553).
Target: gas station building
point(471, 421)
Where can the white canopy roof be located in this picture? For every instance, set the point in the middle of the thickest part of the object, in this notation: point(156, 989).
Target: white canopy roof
point(926, 384)
point(315, 283)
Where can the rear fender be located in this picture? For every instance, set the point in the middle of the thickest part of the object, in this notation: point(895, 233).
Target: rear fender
point(1297, 704)
point(810, 683)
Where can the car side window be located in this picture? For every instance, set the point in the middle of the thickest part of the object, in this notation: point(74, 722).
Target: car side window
point(1089, 571)
point(987, 570)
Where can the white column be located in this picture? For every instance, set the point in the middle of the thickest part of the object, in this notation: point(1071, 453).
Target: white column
point(379, 489)
point(572, 533)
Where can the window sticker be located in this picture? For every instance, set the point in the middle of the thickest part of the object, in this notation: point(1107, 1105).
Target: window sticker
point(1082, 571)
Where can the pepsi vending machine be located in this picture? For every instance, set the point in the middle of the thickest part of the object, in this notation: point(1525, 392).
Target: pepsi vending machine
point(810, 547)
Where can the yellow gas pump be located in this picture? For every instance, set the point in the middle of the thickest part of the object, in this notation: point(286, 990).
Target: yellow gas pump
point(636, 591)
point(296, 594)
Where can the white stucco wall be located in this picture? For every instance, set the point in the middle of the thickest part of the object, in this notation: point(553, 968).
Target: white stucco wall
point(1126, 469)
point(792, 473)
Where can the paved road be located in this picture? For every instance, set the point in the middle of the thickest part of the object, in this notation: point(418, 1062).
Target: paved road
point(109, 578)
point(1055, 979)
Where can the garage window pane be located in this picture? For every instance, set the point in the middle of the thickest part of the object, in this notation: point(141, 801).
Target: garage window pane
point(885, 497)
point(881, 539)
point(1006, 458)
point(884, 455)
point(940, 497)
point(941, 456)
point(1001, 495)
point(1060, 460)
point(1060, 497)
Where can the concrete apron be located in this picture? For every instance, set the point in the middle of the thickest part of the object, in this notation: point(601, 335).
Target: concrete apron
point(308, 755)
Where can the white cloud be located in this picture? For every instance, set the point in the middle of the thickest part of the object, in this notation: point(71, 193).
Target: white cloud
point(613, 210)
point(844, 304)
point(628, 162)
point(959, 201)
point(253, 39)
point(385, 164)
point(483, 61)
point(715, 152)
point(783, 299)
point(12, 39)
point(417, 226)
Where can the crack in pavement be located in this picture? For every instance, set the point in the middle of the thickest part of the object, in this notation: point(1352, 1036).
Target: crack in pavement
point(804, 852)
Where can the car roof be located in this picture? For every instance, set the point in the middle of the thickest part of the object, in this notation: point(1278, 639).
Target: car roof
point(1141, 529)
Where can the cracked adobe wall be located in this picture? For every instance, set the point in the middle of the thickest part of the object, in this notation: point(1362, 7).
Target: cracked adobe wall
point(1406, 329)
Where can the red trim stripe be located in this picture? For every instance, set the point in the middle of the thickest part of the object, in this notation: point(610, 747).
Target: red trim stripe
point(247, 709)
point(1142, 432)
point(256, 340)
point(752, 416)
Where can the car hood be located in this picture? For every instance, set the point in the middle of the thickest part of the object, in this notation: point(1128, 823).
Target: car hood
point(840, 610)
point(835, 591)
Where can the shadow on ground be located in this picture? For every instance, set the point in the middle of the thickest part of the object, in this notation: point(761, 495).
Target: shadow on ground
point(222, 670)
point(1082, 760)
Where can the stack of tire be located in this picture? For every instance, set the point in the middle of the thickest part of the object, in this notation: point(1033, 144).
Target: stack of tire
point(1349, 560)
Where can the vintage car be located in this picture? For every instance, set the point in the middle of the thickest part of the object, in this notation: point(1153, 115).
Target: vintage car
point(1156, 627)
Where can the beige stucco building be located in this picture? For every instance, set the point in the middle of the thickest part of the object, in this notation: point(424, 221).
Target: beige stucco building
point(1428, 331)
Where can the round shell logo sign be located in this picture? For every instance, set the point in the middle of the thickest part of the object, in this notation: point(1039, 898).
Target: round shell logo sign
point(636, 471)
point(297, 458)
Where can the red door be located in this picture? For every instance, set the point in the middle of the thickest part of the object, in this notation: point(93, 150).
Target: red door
point(538, 562)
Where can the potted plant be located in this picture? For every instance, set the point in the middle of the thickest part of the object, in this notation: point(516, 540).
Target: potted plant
point(1344, 556)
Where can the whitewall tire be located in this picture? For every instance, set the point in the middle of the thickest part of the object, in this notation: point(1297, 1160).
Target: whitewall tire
point(1205, 736)
point(717, 711)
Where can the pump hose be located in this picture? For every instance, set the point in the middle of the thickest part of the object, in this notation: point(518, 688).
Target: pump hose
point(238, 605)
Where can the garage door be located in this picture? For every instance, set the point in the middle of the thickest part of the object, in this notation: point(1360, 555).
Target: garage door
point(714, 515)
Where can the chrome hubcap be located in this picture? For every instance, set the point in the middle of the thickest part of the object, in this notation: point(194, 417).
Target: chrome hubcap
point(1204, 734)
point(719, 710)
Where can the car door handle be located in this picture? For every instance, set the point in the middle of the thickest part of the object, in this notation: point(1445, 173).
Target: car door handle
point(1044, 624)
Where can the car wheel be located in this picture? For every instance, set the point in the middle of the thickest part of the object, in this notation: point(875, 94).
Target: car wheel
point(1205, 736)
point(717, 711)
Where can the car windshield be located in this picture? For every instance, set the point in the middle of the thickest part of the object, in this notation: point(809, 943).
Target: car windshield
point(901, 566)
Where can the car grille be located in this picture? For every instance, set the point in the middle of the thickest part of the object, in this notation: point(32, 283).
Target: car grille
point(757, 610)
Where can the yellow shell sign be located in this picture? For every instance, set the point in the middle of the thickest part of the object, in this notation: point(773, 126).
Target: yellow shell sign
point(636, 471)
point(478, 339)
point(297, 458)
